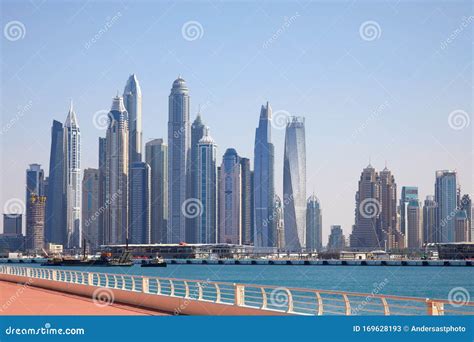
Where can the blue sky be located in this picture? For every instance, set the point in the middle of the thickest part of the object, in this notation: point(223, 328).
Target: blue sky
point(387, 99)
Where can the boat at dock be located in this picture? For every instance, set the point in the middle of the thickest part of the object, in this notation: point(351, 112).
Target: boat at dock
point(157, 262)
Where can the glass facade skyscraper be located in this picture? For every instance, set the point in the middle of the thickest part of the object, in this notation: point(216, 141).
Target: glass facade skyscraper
point(90, 208)
point(72, 141)
point(55, 220)
point(179, 144)
point(132, 100)
point(117, 167)
point(263, 181)
point(156, 155)
point(446, 199)
point(294, 185)
point(207, 189)
point(140, 204)
point(314, 225)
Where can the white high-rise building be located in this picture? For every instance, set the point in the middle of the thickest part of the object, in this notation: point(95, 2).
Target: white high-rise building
point(116, 178)
point(72, 165)
point(294, 185)
point(207, 189)
point(179, 149)
point(132, 100)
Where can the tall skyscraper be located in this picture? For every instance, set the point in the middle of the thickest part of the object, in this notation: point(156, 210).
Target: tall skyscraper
point(294, 185)
point(314, 225)
point(102, 162)
point(90, 208)
point(35, 222)
point(461, 226)
point(278, 222)
point(179, 144)
point(337, 240)
point(388, 213)
point(263, 181)
point(466, 205)
point(34, 181)
point(132, 100)
point(230, 225)
point(197, 132)
point(34, 219)
point(12, 224)
point(366, 232)
point(246, 201)
point(409, 193)
point(140, 204)
point(446, 198)
point(414, 224)
point(116, 183)
point(55, 220)
point(207, 189)
point(156, 155)
point(429, 219)
point(72, 143)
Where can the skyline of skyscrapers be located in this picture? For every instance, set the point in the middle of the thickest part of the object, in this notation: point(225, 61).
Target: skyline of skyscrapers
point(231, 215)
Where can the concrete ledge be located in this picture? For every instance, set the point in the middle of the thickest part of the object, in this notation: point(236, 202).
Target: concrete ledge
point(172, 305)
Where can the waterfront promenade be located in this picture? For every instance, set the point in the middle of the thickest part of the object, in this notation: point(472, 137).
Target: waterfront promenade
point(204, 297)
point(21, 299)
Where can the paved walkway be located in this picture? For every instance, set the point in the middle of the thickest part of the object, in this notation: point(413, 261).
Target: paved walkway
point(18, 299)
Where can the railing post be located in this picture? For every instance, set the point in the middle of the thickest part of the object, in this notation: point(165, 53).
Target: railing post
point(171, 288)
point(133, 283)
point(90, 279)
point(290, 300)
point(218, 293)
point(434, 308)
point(386, 309)
point(239, 294)
point(347, 304)
point(186, 289)
point(145, 285)
point(55, 275)
point(264, 298)
point(158, 286)
point(320, 304)
point(199, 291)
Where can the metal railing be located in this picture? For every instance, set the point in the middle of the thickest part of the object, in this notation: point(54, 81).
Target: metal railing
point(265, 297)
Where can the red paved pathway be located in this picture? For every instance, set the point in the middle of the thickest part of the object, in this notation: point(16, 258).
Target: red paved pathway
point(18, 299)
